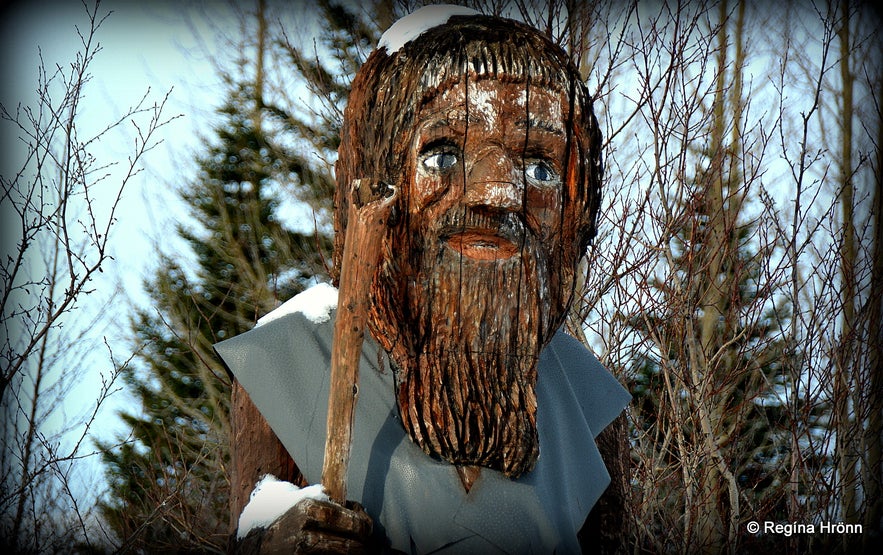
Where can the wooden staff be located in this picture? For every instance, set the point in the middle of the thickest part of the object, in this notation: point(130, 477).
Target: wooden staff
point(370, 205)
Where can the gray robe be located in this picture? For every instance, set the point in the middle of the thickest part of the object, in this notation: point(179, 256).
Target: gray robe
point(416, 501)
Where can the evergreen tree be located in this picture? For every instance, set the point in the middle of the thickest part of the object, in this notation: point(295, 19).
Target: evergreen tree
point(326, 68)
point(169, 483)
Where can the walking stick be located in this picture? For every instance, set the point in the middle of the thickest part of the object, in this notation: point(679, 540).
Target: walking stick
point(370, 205)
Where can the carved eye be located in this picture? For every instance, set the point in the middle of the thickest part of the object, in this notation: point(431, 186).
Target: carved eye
point(541, 171)
point(439, 159)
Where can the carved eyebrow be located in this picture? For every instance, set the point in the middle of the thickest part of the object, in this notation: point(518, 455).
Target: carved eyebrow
point(531, 123)
point(451, 118)
point(445, 123)
point(436, 124)
point(461, 113)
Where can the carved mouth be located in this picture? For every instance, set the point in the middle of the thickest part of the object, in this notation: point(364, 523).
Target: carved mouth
point(481, 244)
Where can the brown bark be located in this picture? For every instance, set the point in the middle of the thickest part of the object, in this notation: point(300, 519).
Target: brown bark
point(844, 379)
point(256, 451)
point(608, 527)
point(873, 433)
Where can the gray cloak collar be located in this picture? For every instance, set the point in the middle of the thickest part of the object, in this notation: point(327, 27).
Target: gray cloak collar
point(416, 501)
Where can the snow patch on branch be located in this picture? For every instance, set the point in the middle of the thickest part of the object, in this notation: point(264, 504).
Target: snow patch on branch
point(271, 499)
point(316, 303)
point(418, 22)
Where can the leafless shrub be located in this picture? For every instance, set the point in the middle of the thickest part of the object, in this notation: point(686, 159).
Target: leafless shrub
point(59, 206)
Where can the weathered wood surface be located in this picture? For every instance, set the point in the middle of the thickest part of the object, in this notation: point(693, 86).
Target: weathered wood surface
point(312, 527)
point(462, 166)
point(371, 202)
point(256, 451)
point(380, 127)
point(608, 527)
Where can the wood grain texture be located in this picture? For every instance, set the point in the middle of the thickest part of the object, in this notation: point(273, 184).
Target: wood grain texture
point(608, 527)
point(449, 411)
point(256, 451)
point(371, 202)
point(312, 527)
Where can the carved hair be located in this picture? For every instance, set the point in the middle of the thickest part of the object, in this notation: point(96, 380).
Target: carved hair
point(389, 90)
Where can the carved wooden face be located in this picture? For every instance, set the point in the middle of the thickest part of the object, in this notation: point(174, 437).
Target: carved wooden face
point(498, 150)
point(471, 287)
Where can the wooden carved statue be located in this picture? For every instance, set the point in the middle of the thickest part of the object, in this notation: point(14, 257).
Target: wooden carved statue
point(476, 417)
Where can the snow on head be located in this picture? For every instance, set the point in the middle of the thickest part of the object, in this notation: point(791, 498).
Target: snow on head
point(271, 499)
point(316, 303)
point(416, 23)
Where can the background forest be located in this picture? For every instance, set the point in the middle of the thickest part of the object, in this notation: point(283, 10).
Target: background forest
point(735, 287)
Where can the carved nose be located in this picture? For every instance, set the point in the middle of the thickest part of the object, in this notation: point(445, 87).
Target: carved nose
point(493, 181)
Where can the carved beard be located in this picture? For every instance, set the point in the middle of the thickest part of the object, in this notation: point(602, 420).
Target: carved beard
point(465, 339)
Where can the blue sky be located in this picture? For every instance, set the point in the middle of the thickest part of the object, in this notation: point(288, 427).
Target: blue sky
point(149, 46)
point(144, 47)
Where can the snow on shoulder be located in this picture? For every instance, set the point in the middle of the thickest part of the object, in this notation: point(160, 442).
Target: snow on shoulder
point(316, 303)
point(271, 499)
point(416, 23)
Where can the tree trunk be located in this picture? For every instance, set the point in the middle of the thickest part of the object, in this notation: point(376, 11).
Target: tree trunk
point(873, 439)
point(259, 67)
point(843, 380)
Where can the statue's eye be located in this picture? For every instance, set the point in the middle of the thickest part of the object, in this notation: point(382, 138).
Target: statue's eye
point(439, 159)
point(541, 171)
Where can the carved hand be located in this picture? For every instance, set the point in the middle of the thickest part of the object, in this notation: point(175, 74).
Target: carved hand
point(314, 526)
